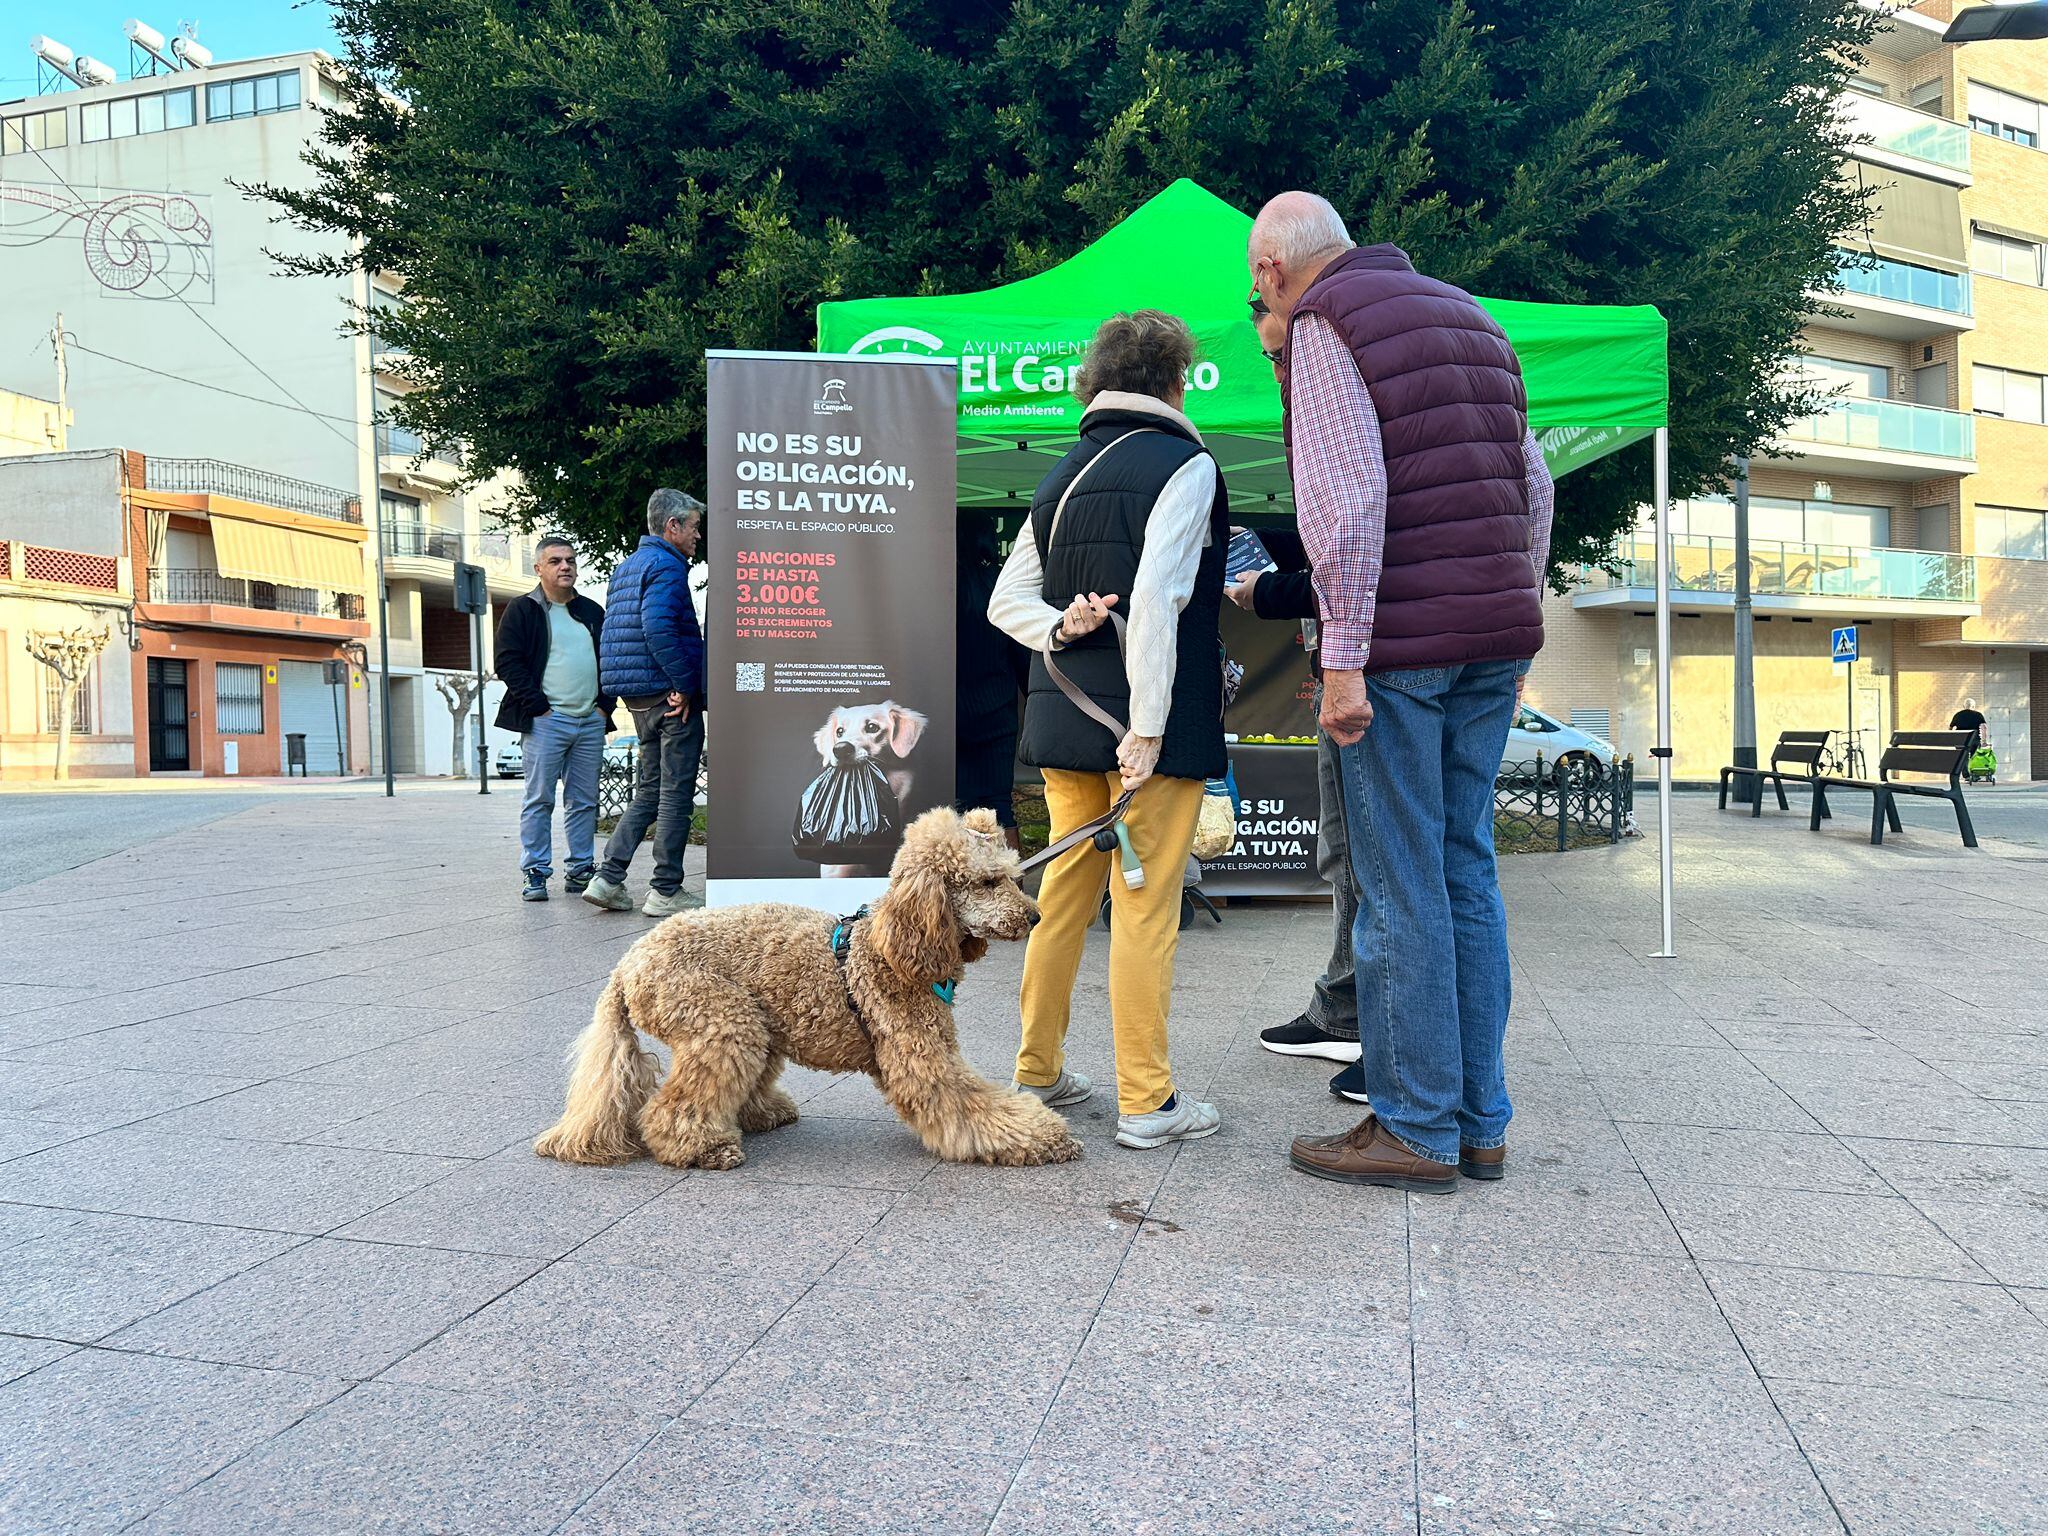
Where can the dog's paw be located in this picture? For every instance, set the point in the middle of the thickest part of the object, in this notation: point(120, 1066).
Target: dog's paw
point(726, 1154)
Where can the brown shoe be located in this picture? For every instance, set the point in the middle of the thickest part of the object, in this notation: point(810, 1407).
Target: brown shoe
point(1369, 1154)
point(1482, 1162)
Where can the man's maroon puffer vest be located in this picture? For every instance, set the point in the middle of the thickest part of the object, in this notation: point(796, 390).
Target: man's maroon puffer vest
point(1457, 584)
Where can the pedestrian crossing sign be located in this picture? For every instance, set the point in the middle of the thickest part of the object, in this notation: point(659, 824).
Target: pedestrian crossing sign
point(1845, 643)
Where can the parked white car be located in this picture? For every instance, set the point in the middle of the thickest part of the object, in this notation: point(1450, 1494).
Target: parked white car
point(1534, 732)
point(511, 761)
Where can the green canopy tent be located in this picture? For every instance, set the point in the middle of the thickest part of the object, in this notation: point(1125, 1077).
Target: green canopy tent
point(1597, 375)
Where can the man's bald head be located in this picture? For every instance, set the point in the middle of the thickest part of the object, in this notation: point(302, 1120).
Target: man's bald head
point(1292, 240)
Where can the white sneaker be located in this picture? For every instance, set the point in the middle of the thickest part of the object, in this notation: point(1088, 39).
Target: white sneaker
point(1070, 1088)
point(658, 905)
point(602, 893)
point(1188, 1120)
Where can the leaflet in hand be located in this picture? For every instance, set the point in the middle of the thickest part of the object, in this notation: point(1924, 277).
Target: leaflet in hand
point(1246, 553)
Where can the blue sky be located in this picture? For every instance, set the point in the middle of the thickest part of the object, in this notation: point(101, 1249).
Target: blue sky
point(231, 28)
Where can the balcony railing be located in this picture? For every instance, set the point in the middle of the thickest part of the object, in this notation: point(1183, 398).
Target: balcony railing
point(178, 585)
point(432, 541)
point(395, 442)
point(1702, 563)
point(212, 477)
point(1876, 277)
point(1895, 426)
point(1904, 131)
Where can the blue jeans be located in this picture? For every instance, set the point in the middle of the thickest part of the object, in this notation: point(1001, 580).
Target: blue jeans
point(565, 751)
point(664, 793)
point(1431, 939)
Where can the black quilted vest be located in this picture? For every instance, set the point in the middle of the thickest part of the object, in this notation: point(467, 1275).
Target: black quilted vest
point(1101, 536)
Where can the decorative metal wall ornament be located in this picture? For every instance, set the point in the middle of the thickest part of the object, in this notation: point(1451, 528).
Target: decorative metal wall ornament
point(139, 245)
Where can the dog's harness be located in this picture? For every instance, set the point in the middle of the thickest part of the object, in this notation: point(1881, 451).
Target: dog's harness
point(842, 941)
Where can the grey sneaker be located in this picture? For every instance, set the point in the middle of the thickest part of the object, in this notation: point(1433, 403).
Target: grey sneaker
point(602, 893)
point(1071, 1088)
point(1188, 1120)
point(658, 905)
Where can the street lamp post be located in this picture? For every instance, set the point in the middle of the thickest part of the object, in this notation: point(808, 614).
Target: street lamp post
point(1747, 786)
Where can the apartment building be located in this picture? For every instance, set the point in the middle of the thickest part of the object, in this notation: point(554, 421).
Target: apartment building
point(60, 572)
point(225, 593)
point(119, 209)
point(1915, 504)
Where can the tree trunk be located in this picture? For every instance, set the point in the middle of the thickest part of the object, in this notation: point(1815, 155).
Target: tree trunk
point(455, 748)
point(67, 691)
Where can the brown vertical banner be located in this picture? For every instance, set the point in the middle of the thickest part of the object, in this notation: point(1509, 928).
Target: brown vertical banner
point(831, 525)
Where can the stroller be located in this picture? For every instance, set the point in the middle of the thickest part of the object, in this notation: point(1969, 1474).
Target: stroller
point(1983, 765)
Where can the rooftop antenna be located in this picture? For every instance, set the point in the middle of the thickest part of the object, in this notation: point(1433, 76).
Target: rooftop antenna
point(147, 52)
point(53, 59)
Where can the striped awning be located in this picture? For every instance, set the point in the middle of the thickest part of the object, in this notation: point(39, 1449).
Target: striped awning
point(286, 557)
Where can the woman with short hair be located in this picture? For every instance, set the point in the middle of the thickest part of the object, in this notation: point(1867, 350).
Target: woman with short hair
point(1129, 526)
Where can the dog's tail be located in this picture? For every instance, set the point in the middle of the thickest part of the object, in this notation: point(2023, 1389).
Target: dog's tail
point(611, 1078)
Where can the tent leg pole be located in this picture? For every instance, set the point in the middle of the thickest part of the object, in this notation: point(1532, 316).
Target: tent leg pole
point(1662, 491)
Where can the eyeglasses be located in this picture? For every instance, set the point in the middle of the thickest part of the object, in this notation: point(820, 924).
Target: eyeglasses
point(1258, 305)
point(1272, 355)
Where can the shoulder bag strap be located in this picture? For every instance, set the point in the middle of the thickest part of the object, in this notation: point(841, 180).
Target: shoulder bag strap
point(1075, 696)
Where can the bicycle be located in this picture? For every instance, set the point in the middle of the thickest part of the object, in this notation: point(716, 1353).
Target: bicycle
point(1847, 761)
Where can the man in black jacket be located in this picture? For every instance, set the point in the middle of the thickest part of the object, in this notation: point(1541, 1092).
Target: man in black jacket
point(1328, 1027)
point(547, 659)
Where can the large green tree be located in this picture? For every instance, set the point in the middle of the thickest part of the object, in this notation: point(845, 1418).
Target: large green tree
point(584, 195)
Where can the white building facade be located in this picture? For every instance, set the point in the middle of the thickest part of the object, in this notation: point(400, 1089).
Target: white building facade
point(120, 210)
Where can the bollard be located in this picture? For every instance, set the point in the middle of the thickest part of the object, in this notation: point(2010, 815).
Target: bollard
point(1614, 800)
point(1536, 816)
point(1564, 804)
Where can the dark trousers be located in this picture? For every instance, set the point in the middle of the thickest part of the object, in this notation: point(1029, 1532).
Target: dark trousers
point(664, 792)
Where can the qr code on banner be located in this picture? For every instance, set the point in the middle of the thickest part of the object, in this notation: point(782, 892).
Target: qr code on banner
point(750, 677)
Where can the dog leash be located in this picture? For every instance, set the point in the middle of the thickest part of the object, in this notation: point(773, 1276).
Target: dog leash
point(1106, 831)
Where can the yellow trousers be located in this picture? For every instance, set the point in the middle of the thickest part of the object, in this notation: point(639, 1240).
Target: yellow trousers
point(1144, 931)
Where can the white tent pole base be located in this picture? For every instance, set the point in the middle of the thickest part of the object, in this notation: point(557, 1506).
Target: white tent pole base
point(1662, 491)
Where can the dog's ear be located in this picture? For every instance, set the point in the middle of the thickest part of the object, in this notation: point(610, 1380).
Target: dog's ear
point(823, 742)
point(905, 726)
point(914, 924)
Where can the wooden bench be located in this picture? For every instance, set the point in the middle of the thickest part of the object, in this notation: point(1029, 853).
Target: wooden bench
point(1801, 749)
point(1942, 753)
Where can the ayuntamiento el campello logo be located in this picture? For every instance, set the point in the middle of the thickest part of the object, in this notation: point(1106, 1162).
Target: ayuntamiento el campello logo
point(831, 399)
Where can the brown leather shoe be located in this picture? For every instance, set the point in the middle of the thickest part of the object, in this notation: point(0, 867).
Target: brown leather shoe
point(1482, 1162)
point(1369, 1154)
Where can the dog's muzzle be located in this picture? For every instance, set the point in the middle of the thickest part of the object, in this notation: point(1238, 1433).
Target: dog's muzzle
point(842, 752)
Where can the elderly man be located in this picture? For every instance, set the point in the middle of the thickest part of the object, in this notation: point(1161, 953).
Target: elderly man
point(546, 654)
point(654, 661)
point(1425, 508)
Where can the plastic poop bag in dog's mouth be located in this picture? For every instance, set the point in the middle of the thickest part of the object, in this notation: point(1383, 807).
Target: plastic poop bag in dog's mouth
point(847, 815)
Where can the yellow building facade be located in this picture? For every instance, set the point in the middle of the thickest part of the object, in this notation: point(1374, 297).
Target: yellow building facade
point(1914, 505)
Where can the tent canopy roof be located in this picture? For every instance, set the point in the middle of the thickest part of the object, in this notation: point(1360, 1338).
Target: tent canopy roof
point(1596, 374)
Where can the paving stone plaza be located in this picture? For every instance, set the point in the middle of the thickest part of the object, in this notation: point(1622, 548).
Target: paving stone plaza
point(1771, 1256)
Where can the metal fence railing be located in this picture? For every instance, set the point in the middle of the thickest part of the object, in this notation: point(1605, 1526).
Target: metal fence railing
point(181, 585)
point(218, 478)
point(1562, 803)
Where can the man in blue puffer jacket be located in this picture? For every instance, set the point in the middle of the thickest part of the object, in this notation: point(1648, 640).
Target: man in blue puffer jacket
point(652, 661)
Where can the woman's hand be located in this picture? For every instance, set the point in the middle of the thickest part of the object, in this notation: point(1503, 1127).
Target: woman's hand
point(1240, 590)
point(1136, 757)
point(1085, 614)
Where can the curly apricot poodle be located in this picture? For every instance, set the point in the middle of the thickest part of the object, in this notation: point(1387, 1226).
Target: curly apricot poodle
point(736, 992)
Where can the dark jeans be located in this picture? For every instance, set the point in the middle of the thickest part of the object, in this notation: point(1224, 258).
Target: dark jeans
point(1334, 1007)
point(664, 793)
